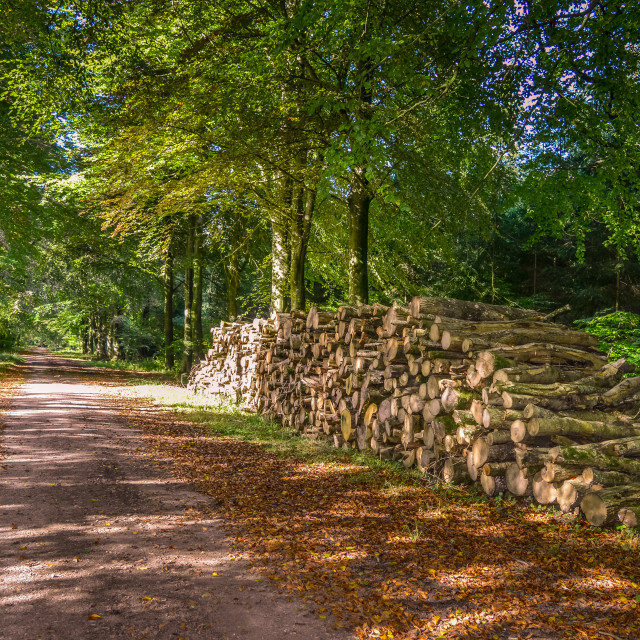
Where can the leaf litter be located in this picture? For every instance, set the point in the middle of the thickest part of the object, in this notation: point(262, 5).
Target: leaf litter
point(391, 556)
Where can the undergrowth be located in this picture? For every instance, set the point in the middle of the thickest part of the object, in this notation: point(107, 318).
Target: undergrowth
point(7, 359)
point(148, 365)
point(223, 418)
point(618, 334)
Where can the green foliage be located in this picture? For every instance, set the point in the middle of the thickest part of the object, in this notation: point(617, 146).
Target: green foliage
point(223, 418)
point(148, 364)
point(498, 143)
point(7, 337)
point(8, 358)
point(618, 334)
point(581, 155)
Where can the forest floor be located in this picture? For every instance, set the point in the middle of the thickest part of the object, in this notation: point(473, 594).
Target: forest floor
point(97, 541)
point(122, 518)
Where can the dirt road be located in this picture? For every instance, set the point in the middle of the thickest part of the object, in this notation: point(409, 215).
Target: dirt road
point(97, 543)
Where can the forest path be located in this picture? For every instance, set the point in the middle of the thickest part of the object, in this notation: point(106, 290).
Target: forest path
point(88, 528)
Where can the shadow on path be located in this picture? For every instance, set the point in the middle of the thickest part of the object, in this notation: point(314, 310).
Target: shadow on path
point(96, 542)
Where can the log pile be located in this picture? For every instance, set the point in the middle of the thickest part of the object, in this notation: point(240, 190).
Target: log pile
point(231, 365)
point(466, 392)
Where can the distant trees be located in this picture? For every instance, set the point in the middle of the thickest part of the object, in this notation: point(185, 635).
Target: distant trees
point(582, 151)
point(331, 149)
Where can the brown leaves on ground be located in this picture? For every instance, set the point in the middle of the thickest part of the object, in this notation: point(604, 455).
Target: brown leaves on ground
point(409, 562)
point(10, 380)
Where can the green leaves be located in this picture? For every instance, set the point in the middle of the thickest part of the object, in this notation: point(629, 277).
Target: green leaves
point(619, 334)
point(227, 108)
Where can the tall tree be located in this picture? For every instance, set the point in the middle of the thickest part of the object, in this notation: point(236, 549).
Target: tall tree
point(168, 287)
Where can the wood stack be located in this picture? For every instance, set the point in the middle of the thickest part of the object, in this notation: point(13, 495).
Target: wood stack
point(233, 364)
point(467, 392)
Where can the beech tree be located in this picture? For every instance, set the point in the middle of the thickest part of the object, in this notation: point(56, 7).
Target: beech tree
point(582, 153)
point(366, 142)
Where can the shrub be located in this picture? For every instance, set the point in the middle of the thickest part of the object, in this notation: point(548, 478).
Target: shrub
point(618, 334)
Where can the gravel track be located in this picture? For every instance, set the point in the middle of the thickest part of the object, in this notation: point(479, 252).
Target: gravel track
point(89, 527)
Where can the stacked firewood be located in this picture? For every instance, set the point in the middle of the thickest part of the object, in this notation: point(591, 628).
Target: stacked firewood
point(232, 363)
point(467, 392)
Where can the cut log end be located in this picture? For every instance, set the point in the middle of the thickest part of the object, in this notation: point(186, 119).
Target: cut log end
point(629, 517)
point(594, 509)
point(517, 481)
point(345, 425)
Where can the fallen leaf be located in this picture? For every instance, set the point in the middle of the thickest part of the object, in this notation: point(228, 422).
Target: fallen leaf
point(481, 586)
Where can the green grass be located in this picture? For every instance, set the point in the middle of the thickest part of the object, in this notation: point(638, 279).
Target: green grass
point(223, 418)
point(618, 334)
point(8, 359)
point(226, 419)
point(123, 365)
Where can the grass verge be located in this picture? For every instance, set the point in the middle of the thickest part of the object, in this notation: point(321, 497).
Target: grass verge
point(8, 359)
point(223, 418)
point(11, 377)
point(148, 365)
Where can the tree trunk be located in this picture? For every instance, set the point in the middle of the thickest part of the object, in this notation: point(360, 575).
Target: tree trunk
point(302, 209)
point(279, 264)
point(169, 357)
point(298, 250)
point(102, 335)
point(359, 204)
point(187, 348)
point(618, 268)
point(93, 333)
point(112, 341)
point(84, 336)
point(196, 305)
point(232, 277)
point(359, 200)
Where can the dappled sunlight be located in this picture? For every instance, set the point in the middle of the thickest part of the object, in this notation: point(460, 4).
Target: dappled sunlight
point(382, 551)
point(96, 542)
point(390, 554)
point(166, 395)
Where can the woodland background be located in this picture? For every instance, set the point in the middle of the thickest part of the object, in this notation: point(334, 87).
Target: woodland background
point(165, 165)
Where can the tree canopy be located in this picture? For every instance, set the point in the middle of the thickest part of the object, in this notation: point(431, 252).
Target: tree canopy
point(169, 161)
